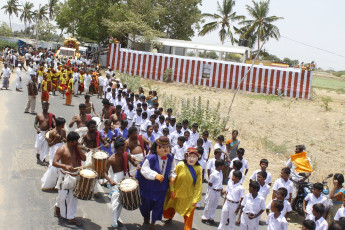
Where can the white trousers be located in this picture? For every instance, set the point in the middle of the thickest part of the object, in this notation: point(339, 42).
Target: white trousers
point(31, 104)
point(67, 203)
point(228, 212)
point(211, 203)
point(41, 145)
point(249, 224)
point(115, 205)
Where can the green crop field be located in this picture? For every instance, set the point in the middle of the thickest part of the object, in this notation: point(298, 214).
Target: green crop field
point(329, 83)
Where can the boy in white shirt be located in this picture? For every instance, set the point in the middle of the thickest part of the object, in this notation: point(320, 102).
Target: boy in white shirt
point(178, 150)
point(161, 123)
point(234, 194)
point(194, 135)
point(308, 225)
point(156, 133)
point(219, 144)
point(130, 113)
point(137, 119)
point(211, 166)
point(245, 166)
point(175, 134)
point(144, 123)
point(275, 219)
point(187, 144)
point(185, 124)
point(281, 194)
point(314, 198)
point(214, 190)
point(252, 206)
point(341, 212)
point(172, 124)
point(283, 182)
point(263, 167)
point(264, 187)
point(207, 145)
point(320, 222)
point(237, 165)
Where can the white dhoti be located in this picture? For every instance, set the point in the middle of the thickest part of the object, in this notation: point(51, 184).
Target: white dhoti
point(86, 87)
point(51, 176)
point(115, 205)
point(65, 199)
point(75, 88)
point(211, 203)
point(138, 158)
point(19, 83)
point(41, 145)
point(81, 131)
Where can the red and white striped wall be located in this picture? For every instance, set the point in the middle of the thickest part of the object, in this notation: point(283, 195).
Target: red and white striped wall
point(226, 75)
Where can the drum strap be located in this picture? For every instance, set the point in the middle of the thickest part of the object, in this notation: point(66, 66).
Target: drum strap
point(111, 111)
point(97, 139)
point(88, 117)
point(123, 116)
point(125, 163)
point(140, 137)
point(50, 120)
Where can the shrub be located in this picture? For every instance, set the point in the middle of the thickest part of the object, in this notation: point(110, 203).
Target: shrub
point(325, 103)
point(167, 75)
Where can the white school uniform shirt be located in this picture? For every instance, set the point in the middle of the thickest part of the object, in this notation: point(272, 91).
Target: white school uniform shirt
point(232, 173)
point(275, 224)
point(157, 135)
point(268, 178)
point(340, 213)
point(311, 198)
point(130, 114)
point(223, 148)
point(207, 146)
point(216, 178)
point(253, 205)
point(161, 126)
point(173, 137)
point(101, 81)
point(244, 164)
point(211, 165)
point(144, 124)
point(150, 174)
point(183, 130)
point(264, 190)
point(187, 144)
point(178, 152)
point(171, 129)
point(321, 224)
point(194, 138)
point(280, 183)
point(234, 191)
point(287, 207)
point(137, 120)
point(109, 96)
point(6, 72)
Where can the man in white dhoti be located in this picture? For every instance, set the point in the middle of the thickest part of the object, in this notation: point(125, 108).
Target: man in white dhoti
point(136, 145)
point(56, 138)
point(81, 120)
point(87, 81)
point(44, 122)
point(19, 84)
point(70, 157)
point(75, 82)
point(119, 164)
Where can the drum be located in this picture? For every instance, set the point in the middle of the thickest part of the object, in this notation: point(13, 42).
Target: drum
point(99, 161)
point(129, 194)
point(85, 184)
point(46, 136)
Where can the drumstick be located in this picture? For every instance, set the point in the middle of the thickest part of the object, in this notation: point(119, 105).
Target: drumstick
point(83, 167)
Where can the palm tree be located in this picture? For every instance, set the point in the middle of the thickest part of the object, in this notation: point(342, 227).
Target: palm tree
point(11, 8)
point(40, 15)
point(261, 25)
point(26, 15)
point(51, 8)
point(224, 19)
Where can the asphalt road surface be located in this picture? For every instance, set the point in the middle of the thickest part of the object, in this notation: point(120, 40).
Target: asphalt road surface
point(23, 205)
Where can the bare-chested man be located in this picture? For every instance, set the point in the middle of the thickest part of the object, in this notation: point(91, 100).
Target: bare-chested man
point(81, 120)
point(117, 117)
point(119, 163)
point(107, 110)
point(89, 106)
point(92, 138)
point(57, 137)
point(70, 157)
point(44, 122)
point(135, 145)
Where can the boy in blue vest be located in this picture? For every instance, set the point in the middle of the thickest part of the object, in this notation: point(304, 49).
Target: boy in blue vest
point(156, 171)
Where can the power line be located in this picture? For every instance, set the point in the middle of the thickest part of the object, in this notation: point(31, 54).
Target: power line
point(327, 51)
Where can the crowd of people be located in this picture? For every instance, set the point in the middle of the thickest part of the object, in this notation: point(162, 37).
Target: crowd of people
point(169, 157)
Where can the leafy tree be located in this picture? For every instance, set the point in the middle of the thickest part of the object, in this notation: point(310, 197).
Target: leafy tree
point(27, 13)
point(11, 8)
point(224, 20)
point(212, 55)
point(51, 8)
point(261, 25)
point(40, 16)
point(5, 30)
point(46, 31)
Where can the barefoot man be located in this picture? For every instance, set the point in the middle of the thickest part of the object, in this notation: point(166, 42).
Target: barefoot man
point(70, 157)
point(56, 138)
point(81, 119)
point(135, 145)
point(43, 122)
point(119, 164)
point(117, 117)
point(107, 110)
point(89, 106)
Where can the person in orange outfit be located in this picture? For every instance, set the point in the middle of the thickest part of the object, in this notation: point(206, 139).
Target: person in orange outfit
point(45, 92)
point(186, 190)
point(69, 91)
point(49, 79)
point(55, 81)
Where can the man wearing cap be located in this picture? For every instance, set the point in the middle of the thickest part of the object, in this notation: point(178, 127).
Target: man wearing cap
point(19, 85)
point(157, 170)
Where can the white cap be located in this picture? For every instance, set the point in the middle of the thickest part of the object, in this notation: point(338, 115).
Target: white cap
point(19, 65)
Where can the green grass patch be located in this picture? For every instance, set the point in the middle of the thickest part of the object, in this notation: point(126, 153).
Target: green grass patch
point(329, 83)
point(273, 147)
point(264, 97)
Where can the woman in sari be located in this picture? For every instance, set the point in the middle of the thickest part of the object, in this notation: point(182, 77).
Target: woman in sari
point(231, 146)
point(336, 195)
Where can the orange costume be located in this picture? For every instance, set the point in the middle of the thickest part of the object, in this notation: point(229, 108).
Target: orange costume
point(69, 92)
point(45, 93)
point(49, 80)
point(81, 83)
point(55, 79)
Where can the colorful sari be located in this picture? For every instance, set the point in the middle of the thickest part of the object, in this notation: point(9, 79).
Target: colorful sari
point(337, 203)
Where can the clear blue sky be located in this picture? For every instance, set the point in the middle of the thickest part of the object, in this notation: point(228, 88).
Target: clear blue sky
point(318, 23)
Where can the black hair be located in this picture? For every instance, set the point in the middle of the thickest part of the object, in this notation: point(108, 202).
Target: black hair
point(264, 161)
point(155, 104)
point(309, 224)
point(173, 120)
point(319, 208)
point(263, 174)
point(205, 133)
point(318, 186)
point(254, 185)
point(72, 136)
point(237, 164)
point(240, 151)
point(186, 132)
point(161, 117)
point(144, 104)
point(130, 106)
point(119, 142)
point(278, 204)
point(123, 122)
point(195, 125)
point(148, 127)
point(216, 151)
point(91, 122)
point(87, 96)
point(178, 125)
point(169, 110)
point(132, 129)
point(340, 178)
point(108, 122)
point(118, 107)
point(144, 115)
point(220, 137)
point(219, 162)
point(237, 174)
point(300, 147)
point(235, 131)
point(287, 170)
point(185, 122)
point(337, 225)
point(200, 150)
point(283, 191)
point(139, 110)
point(153, 116)
point(181, 138)
point(105, 101)
point(82, 106)
point(59, 121)
point(166, 130)
point(200, 141)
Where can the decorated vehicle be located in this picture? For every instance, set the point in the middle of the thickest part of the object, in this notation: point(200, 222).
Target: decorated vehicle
point(70, 49)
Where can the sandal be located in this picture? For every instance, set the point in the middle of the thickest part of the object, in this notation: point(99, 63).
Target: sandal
point(75, 222)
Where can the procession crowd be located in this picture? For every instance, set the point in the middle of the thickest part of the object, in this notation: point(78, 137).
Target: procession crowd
point(169, 158)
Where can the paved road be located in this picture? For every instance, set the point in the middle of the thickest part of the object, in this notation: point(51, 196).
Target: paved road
point(22, 203)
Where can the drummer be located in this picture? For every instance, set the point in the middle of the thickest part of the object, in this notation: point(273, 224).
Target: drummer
point(81, 120)
point(89, 106)
point(119, 164)
point(92, 138)
point(70, 157)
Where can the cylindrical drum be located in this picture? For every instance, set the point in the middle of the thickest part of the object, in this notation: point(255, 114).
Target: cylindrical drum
point(99, 162)
point(129, 194)
point(85, 184)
